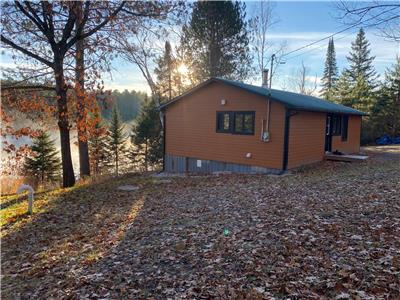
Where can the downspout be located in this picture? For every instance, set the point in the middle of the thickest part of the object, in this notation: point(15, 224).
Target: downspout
point(265, 130)
point(286, 141)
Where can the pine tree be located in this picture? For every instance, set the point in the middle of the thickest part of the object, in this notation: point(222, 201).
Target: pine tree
point(360, 60)
point(215, 42)
point(330, 72)
point(116, 138)
point(147, 135)
point(98, 147)
point(166, 72)
point(385, 114)
point(45, 164)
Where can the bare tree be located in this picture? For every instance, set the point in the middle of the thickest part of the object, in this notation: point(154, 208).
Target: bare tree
point(141, 48)
point(263, 48)
point(303, 84)
point(379, 14)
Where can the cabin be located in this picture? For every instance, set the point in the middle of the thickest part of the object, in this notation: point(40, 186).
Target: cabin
point(228, 126)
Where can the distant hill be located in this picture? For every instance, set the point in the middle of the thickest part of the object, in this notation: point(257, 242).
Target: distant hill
point(128, 103)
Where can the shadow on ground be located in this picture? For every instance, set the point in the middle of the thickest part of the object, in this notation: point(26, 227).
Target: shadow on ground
point(74, 229)
point(325, 231)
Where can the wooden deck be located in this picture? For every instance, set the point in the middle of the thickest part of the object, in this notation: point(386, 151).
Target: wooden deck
point(344, 157)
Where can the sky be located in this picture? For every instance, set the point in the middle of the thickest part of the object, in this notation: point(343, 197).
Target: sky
point(299, 23)
point(304, 22)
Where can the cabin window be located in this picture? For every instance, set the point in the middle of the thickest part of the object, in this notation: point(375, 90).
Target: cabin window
point(345, 125)
point(244, 122)
point(336, 125)
point(224, 121)
point(236, 122)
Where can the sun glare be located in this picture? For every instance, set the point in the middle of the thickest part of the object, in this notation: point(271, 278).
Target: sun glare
point(183, 69)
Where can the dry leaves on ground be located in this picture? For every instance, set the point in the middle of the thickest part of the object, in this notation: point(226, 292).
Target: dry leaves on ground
point(328, 231)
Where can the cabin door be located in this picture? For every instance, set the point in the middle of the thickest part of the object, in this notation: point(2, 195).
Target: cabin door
point(328, 133)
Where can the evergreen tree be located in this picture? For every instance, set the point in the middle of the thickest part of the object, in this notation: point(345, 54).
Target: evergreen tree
point(342, 90)
point(362, 94)
point(357, 83)
point(147, 135)
point(167, 74)
point(385, 114)
point(215, 42)
point(116, 139)
point(330, 72)
point(45, 164)
point(98, 147)
point(360, 60)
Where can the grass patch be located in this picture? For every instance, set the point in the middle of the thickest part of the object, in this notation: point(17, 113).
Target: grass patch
point(14, 208)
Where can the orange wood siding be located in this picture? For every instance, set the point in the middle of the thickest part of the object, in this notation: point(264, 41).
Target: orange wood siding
point(306, 138)
point(191, 128)
point(352, 145)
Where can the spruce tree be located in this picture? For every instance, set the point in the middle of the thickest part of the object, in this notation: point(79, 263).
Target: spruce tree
point(356, 85)
point(98, 147)
point(45, 164)
point(215, 43)
point(360, 60)
point(342, 90)
point(116, 139)
point(147, 135)
point(330, 72)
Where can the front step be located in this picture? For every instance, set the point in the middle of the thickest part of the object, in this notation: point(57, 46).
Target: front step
point(345, 157)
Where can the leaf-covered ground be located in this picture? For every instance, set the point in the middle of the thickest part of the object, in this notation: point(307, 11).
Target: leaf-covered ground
point(328, 231)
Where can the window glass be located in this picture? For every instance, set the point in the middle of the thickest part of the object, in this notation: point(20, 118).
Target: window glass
point(226, 121)
point(223, 122)
point(248, 123)
point(235, 122)
point(336, 125)
point(244, 123)
point(238, 122)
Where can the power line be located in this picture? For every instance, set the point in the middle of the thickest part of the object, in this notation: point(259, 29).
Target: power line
point(313, 49)
point(343, 30)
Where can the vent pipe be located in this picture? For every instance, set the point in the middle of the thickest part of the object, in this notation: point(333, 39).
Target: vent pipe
point(265, 79)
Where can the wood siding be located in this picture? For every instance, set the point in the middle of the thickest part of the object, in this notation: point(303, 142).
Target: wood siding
point(352, 144)
point(191, 128)
point(306, 138)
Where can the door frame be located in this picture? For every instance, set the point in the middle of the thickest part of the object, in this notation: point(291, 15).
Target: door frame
point(328, 133)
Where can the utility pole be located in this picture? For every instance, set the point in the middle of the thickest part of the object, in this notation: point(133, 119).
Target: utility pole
point(273, 56)
point(272, 66)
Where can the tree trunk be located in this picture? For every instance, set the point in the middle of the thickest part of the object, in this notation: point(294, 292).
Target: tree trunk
point(116, 161)
point(84, 166)
point(63, 125)
point(145, 156)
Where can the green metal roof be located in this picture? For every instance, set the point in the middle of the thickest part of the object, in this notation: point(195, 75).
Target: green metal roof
point(288, 99)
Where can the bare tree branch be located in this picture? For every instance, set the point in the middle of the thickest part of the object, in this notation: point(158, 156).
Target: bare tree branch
point(26, 52)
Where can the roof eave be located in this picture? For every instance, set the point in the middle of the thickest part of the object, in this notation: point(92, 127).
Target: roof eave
point(294, 107)
point(325, 110)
